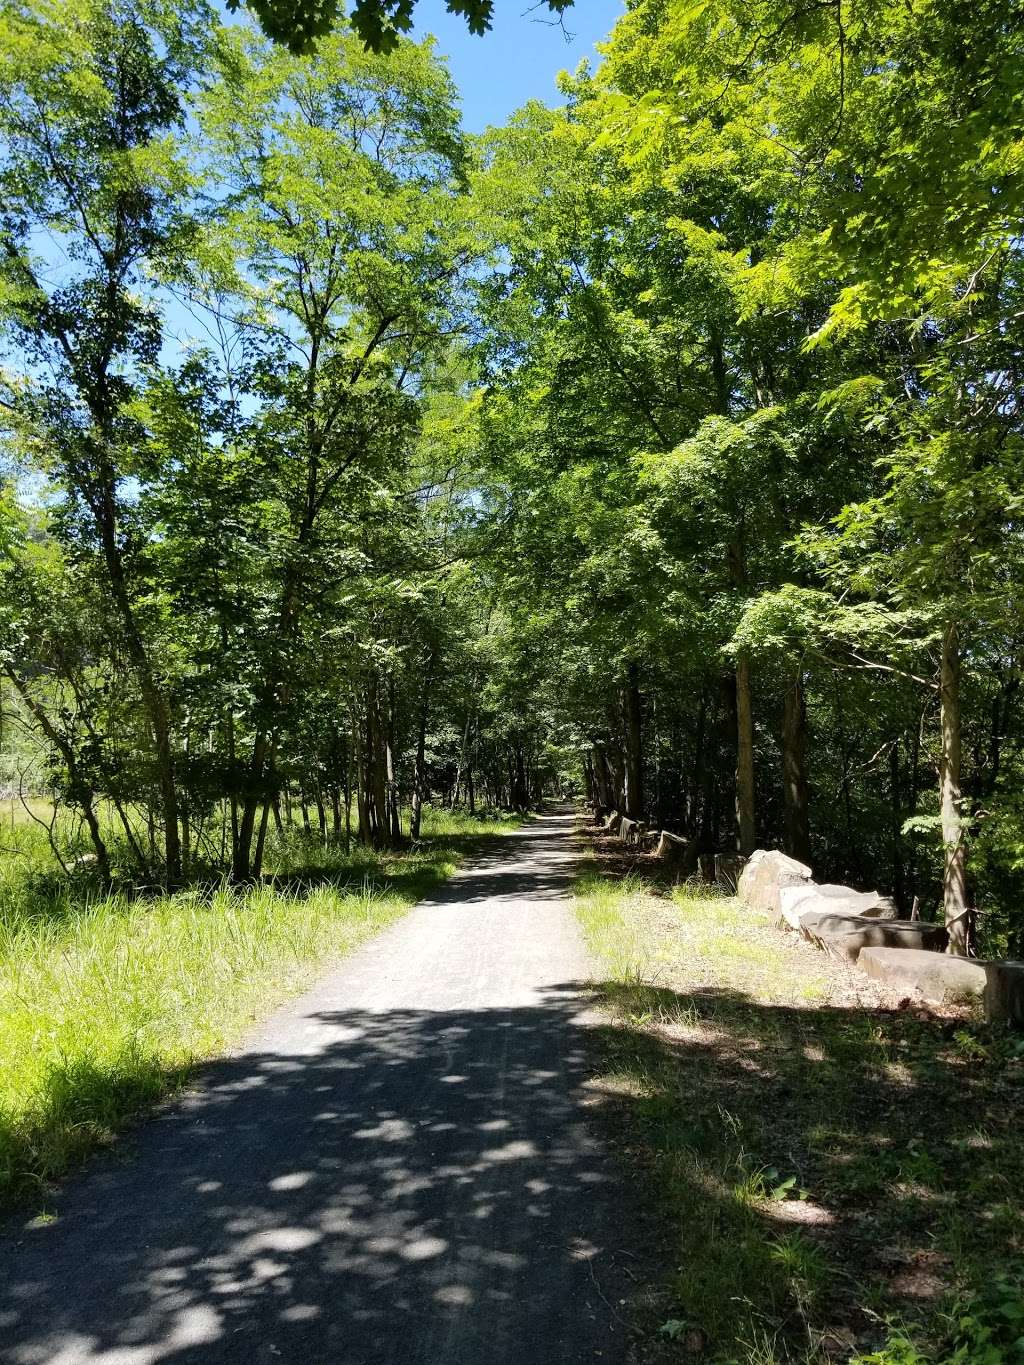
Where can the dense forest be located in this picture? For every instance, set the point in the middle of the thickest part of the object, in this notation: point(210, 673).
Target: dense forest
point(665, 446)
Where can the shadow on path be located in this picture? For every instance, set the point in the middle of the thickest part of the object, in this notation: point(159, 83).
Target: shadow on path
point(378, 1179)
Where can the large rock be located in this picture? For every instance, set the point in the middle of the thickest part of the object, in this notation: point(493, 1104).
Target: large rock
point(943, 980)
point(795, 901)
point(766, 873)
point(846, 936)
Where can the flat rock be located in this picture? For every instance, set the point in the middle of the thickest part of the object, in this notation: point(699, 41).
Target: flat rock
point(673, 848)
point(846, 936)
point(796, 901)
point(766, 873)
point(945, 980)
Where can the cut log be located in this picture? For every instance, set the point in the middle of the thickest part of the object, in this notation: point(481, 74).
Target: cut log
point(766, 872)
point(943, 979)
point(796, 901)
point(845, 936)
point(612, 822)
point(706, 868)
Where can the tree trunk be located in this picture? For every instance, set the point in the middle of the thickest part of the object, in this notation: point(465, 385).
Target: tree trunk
point(899, 888)
point(794, 771)
point(634, 792)
point(241, 863)
point(103, 505)
point(746, 834)
point(602, 785)
point(261, 841)
point(520, 790)
point(394, 818)
point(377, 785)
point(954, 886)
point(419, 776)
point(616, 767)
point(692, 823)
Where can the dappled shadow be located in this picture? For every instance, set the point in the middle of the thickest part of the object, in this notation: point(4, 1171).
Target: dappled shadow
point(826, 1164)
point(426, 1186)
point(400, 1186)
point(421, 1183)
point(387, 1182)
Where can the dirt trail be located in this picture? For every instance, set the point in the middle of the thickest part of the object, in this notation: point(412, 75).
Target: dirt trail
point(395, 1170)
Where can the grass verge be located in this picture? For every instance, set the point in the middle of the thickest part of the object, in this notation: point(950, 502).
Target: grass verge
point(841, 1179)
point(107, 1004)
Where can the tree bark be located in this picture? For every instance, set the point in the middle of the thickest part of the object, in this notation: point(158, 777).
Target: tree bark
point(419, 776)
point(634, 762)
point(954, 886)
point(746, 833)
point(602, 785)
point(794, 771)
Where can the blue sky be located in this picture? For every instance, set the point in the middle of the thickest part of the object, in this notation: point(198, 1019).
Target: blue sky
point(519, 58)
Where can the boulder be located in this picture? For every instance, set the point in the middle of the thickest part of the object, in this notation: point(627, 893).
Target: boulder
point(728, 868)
point(943, 980)
point(766, 872)
point(795, 901)
point(845, 936)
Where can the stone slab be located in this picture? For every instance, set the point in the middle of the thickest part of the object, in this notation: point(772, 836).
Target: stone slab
point(796, 901)
point(847, 936)
point(945, 980)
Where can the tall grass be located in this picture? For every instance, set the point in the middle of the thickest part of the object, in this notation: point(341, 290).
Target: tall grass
point(107, 1002)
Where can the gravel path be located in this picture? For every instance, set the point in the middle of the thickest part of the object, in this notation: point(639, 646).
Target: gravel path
point(396, 1170)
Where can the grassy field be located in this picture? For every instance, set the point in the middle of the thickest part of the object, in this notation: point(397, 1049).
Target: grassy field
point(839, 1178)
point(106, 1004)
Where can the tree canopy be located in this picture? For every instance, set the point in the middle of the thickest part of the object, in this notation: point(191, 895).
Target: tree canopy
point(300, 24)
point(640, 445)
